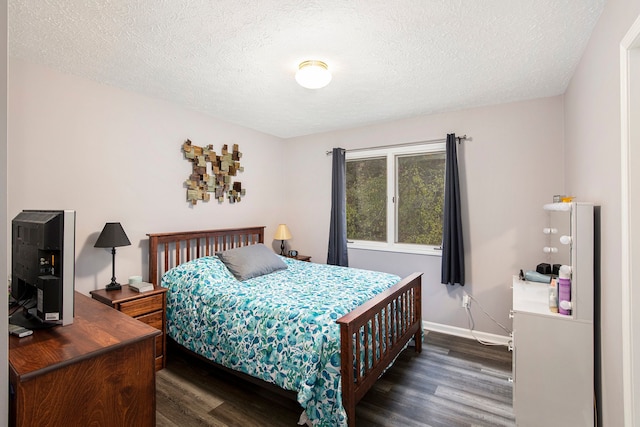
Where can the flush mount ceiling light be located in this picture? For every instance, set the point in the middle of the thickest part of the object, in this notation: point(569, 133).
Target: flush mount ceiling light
point(313, 74)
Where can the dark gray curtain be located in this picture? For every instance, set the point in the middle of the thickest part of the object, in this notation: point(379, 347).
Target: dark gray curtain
point(452, 241)
point(337, 254)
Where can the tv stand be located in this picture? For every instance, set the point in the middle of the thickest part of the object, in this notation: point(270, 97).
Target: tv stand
point(99, 370)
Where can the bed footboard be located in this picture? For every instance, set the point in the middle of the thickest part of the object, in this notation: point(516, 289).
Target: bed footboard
point(373, 334)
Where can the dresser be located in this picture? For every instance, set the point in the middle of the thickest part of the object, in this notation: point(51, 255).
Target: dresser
point(99, 370)
point(553, 362)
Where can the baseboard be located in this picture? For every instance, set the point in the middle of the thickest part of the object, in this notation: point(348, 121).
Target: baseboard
point(466, 333)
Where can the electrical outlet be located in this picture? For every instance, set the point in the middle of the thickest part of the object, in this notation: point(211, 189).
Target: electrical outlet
point(466, 300)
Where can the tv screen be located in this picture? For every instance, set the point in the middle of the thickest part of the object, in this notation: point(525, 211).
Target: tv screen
point(43, 267)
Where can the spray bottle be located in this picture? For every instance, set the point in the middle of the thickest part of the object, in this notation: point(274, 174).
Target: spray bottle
point(564, 290)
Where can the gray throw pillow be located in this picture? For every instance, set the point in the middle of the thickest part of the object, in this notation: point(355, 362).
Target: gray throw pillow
point(251, 261)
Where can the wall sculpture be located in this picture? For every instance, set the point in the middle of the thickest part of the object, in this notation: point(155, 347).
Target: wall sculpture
point(213, 173)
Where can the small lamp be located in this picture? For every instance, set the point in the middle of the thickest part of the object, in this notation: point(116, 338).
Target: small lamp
point(282, 233)
point(112, 236)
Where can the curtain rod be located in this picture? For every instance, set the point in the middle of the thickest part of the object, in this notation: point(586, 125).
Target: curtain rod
point(406, 144)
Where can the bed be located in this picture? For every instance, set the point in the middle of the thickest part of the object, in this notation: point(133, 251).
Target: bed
point(329, 355)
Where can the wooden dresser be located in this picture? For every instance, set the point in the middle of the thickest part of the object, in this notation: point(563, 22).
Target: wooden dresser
point(100, 370)
point(149, 307)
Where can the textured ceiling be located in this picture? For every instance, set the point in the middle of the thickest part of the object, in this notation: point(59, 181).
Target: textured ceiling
point(236, 59)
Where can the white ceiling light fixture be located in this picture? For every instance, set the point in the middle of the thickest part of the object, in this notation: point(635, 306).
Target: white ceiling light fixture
point(313, 74)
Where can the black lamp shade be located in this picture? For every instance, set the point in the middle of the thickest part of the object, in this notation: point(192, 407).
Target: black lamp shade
point(112, 236)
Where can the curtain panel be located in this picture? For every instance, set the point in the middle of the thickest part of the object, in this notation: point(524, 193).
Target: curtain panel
point(452, 236)
point(337, 252)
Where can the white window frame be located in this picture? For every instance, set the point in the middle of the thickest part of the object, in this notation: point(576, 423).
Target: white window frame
point(391, 154)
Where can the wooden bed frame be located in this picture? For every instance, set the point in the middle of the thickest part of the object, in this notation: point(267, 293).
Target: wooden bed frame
point(388, 321)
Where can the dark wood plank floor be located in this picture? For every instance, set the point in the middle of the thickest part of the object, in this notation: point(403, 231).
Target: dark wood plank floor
point(453, 382)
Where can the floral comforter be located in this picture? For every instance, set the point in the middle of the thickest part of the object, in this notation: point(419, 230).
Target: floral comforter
point(280, 327)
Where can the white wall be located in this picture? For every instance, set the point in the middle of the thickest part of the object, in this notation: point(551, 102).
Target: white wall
point(116, 156)
point(592, 164)
point(511, 167)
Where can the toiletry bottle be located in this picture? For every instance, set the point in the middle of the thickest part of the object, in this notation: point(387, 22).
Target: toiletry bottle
point(564, 290)
point(553, 296)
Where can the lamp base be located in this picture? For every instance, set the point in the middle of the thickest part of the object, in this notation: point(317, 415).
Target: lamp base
point(113, 286)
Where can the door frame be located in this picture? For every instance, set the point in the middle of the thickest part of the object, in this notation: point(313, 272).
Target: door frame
point(630, 214)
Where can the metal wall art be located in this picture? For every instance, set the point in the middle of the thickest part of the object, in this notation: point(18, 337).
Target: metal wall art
point(212, 173)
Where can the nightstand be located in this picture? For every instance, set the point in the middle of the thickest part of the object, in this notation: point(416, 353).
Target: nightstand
point(149, 307)
point(299, 257)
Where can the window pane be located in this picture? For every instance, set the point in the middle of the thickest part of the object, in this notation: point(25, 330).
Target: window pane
point(367, 199)
point(420, 189)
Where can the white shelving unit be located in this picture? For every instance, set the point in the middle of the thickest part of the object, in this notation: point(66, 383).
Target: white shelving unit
point(553, 354)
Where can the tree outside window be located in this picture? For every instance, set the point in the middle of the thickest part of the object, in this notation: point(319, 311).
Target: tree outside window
point(395, 198)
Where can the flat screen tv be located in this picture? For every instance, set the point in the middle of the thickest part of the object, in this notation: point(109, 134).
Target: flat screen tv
point(43, 267)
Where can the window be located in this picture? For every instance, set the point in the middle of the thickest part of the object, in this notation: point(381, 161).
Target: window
point(395, 198)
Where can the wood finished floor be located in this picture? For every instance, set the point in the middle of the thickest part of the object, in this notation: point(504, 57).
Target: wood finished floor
point(454, 382)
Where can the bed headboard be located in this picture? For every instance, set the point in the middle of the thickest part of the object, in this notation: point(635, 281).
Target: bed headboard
point(167, 250)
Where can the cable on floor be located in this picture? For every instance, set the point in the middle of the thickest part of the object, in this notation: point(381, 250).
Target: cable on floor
point(471, 322)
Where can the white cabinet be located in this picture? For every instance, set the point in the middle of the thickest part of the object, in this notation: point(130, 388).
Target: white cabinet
point(553, 354)
point(552, 363)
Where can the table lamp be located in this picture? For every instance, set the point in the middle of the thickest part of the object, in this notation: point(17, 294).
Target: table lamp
point(282, 233)
point(112, 236)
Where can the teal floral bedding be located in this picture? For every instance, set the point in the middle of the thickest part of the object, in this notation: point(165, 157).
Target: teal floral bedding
point(280, 327)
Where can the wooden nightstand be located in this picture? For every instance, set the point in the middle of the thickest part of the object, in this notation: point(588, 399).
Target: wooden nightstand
point(299, 257)
point(148, 307)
